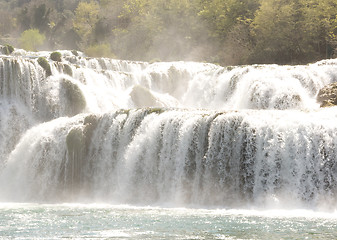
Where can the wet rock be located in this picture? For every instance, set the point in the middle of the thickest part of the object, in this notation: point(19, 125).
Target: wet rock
point(56, 56)
point(74, 100)
point(67, 70)
point(142, 97)
point(327, 96)
point(45, 65)
point(76, 155)
point(7, 49)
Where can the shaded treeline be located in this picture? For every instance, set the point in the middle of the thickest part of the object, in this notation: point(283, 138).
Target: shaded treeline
point(227, 32)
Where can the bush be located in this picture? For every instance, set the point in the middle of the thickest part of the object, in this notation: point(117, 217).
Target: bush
point(99, 50)
point(45, 65)
point(56, 56)
point(31, 39)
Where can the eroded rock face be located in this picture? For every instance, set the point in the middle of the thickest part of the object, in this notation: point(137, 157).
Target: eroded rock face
point(327, 96)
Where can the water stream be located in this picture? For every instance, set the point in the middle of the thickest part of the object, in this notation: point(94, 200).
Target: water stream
point(176, 134)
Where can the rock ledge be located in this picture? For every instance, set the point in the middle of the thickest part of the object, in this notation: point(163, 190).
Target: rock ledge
point(327, 96)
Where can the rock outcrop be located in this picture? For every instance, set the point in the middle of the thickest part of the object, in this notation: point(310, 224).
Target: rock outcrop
point(327, 96)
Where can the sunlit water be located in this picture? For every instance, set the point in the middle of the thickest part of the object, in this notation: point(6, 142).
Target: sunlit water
point(76, 221)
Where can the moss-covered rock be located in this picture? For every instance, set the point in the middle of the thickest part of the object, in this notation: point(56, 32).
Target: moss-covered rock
point(74, 100)
point(90, 120)
point(75, 160)
point(74, 52)
point(45, 65)
point(90, 123)
point(230, 68)
point(75, 140)
point(67, 70)
point(156, 110)
point(56, 56)
point(327, 96)
point(10, 48)
point(7, 49)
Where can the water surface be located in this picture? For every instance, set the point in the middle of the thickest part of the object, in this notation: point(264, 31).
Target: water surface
point(99, 221)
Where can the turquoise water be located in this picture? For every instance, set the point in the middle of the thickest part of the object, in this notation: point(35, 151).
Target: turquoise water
point(95, 221)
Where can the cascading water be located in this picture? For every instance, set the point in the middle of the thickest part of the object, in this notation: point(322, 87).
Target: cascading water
point(179, 133)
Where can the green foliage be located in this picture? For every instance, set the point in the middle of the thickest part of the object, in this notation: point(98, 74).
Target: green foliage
point(279, 39)
point(45, 65)
point(227, 32)
point(99, 50)
point(156, 24)
point(41, 17)
point(222, 16)
point(294, 31)
point(321, 26)
point(56, 56)
point(31, 39)
point(86, 16)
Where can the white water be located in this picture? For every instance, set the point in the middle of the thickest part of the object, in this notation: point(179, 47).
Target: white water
point(226, 137)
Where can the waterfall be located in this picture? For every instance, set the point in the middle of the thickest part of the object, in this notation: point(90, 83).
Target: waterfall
point(175, 133)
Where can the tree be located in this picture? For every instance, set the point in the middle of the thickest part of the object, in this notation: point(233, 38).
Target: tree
point(279, 32)
point(295, 31)
point(7, 23)
point(31, 39)
point(86, 17)
point(176, 24)
point(150, 26)
point(99, 50)
point(41, 17)
point(222, 16)
point(23, 19)
point(222, 31)
point(229, 28)
point(321, 25)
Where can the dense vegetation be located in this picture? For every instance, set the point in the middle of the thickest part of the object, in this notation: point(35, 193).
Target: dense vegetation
point(222, 31)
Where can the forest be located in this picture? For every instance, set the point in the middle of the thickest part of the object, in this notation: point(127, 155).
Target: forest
point(225, 32)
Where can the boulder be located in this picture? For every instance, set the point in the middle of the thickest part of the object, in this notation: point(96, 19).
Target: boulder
point(142, 97)
point(327, 96)
point(6, 49)
point(73, 99)
point(56, 56)
point(45, 65)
